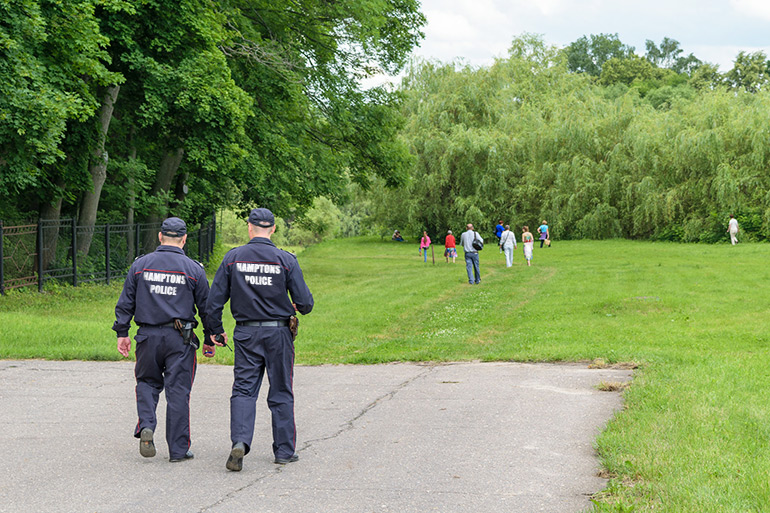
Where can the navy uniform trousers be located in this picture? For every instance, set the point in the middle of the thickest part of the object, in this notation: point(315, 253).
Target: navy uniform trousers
point(164, 361)
point(259, 349)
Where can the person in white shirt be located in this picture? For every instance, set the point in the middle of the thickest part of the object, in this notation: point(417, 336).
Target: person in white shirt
point(508, 244)
point(732, 229)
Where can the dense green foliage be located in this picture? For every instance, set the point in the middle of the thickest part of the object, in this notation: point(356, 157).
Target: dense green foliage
point(638, 151)
point(693, 435)
point(134, 109)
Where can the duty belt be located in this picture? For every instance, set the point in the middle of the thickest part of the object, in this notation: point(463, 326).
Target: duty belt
point(167, 325)
point(263, 323)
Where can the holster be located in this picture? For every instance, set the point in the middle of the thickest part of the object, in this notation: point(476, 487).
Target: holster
point(293, 326)
point(185, 329)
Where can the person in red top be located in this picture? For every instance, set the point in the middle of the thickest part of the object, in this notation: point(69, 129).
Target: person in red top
point(450, 250)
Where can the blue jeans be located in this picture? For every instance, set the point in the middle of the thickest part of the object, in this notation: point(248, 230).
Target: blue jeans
point(472, 266)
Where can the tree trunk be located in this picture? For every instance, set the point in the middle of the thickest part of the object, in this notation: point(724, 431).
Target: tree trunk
point(98, 170)
point(131, 199)
point(172, 159)
point(50, 212)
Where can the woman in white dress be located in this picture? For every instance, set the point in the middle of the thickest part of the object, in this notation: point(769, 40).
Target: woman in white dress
point(529, 243)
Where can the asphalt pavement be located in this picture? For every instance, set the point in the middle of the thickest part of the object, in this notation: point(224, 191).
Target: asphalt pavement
point(459, 437)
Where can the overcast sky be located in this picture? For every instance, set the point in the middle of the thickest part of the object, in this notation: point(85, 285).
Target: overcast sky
point(480, 30)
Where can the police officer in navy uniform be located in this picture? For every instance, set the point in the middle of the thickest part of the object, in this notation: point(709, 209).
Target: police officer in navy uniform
point(256, 278)
point(162, 287)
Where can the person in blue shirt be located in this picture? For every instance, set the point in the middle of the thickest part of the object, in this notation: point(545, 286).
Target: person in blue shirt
point(499, 229)
point(258, 278)
point(162, 287)
point(545, 235)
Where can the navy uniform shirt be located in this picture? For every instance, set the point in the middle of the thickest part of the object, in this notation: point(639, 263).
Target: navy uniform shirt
point(255, 277)
point(160, 287)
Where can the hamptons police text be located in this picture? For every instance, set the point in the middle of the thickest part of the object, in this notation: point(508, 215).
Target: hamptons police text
point(160, 279)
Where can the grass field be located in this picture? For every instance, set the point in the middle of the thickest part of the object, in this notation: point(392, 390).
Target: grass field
point(695, 434)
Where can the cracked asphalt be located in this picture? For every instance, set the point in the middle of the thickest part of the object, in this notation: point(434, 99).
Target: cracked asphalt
point(457, 437)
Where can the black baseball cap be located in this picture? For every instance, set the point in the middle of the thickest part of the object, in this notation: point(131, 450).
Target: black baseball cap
point(262, 217)
point(173, 227)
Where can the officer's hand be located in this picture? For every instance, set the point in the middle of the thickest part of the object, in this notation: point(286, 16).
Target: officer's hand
point(124, 346)
point(220, 344)
point(209, 350)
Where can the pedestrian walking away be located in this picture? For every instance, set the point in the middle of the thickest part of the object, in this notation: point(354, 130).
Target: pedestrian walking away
point(472, 242)
point(258, 278)
point(732, 229)
point(529, 244)
point(450, 247)
point(499, 229)
point(508, 244)
point(424, 245)
point(545, 236)
point(161, 293)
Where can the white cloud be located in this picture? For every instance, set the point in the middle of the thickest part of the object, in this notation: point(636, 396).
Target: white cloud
point(443, 25)
point(549, 7)
point(477, 31)
point(760, 8)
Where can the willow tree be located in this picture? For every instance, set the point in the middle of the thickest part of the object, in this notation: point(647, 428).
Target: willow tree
point(526, 140)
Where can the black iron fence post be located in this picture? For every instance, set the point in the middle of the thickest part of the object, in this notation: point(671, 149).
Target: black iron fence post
point(213, 231)
point(2, 269)
point(107, 252)
point(74, 252)
point(201, 247)
point(208, 243)
point(137, 231)
point(40, 270)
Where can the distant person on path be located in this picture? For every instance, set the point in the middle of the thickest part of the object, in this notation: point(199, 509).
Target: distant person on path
point(471, 254)
point(732, 229)
point(424, 245)
point(544, 234)
point(257, 279)
point(397, 236)
point(529, 244)
point(162, 289)
point(450, 247)
point(499, 229)
point(508, 244)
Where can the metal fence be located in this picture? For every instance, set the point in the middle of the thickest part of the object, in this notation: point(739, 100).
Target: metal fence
point(63, 252)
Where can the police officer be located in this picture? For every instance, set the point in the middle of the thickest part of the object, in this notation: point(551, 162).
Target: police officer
point(162, 287)
point(256, 278)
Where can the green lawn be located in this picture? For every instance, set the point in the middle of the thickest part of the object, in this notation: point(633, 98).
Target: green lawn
point(695, 434)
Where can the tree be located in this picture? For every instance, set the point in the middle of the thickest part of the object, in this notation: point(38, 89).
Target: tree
point(180, 112)
point(706, 76)
point(665, 55)
point(750, 72)
point(669, 55)
point(525, 140)
point(626, 71)
point(52, 60)
point(315, 128)
point(588, 54)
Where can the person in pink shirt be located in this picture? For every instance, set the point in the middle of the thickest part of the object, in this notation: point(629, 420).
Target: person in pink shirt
point(424, 245)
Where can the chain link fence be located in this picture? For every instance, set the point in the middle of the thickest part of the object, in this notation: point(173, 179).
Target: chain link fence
point(61, 251)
